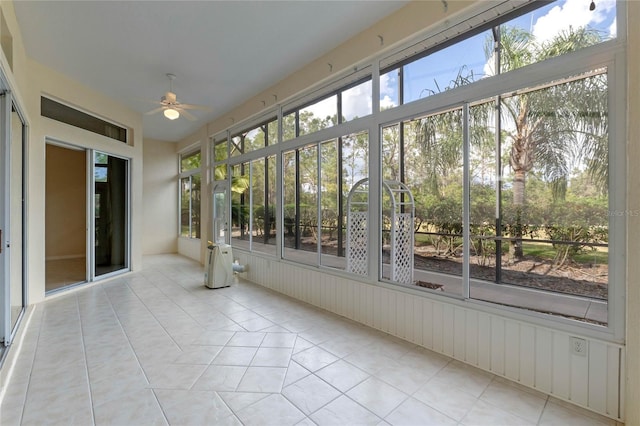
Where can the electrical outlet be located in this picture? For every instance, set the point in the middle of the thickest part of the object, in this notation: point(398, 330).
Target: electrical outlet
point(578, 346)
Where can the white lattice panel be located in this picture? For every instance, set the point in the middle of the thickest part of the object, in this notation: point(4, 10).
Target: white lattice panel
point(402, 262)
point(358, 243)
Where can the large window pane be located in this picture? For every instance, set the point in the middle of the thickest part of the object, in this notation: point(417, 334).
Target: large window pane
point(321, 115)
point(219, 150)
point(190, 161)
point(428, 153)
point(356, 101)
point(390, 89)
point(301, 205)
point(240, 207)
point(446, 69)
point(185, 206)
point(263, 225)
point(196, 185)
point(554, 208)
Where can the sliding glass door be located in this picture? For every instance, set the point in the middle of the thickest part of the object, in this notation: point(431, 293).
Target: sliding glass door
point(12, 217)
point(110, 214)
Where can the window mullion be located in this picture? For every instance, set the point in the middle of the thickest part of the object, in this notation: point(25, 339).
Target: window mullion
point(466, 200)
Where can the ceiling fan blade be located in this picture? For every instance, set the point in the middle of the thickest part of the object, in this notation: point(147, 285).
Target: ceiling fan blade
point(200, 107)
point(154, 111)
point(188, 115)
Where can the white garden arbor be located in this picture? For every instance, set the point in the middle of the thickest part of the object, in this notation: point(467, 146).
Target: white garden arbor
point(399, 210)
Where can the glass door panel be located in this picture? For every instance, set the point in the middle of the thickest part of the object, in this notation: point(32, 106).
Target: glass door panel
point(17, 288)
point(110, 209)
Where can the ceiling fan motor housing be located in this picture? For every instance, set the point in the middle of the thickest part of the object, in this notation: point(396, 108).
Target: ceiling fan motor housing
point(169, 98)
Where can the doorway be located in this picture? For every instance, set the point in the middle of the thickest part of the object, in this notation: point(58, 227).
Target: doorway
point(65, 216)
point(87, 216)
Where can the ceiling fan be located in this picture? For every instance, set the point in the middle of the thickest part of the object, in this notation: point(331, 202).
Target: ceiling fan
point(171, 108)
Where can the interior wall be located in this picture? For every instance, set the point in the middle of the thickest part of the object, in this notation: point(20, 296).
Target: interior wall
point(633, 220)
point(66, 203)
point(160, 182)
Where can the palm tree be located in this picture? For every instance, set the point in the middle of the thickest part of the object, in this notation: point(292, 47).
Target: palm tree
point(547, 128)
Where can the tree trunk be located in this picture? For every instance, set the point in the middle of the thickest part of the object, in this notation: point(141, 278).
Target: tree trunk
point(515, 249)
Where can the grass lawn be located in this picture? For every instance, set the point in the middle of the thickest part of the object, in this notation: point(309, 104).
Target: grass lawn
point(546, 251)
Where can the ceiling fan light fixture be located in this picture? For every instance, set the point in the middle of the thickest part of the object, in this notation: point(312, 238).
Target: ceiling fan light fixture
point(171, 113)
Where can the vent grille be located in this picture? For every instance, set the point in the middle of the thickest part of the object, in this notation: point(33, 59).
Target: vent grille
point(65, 114)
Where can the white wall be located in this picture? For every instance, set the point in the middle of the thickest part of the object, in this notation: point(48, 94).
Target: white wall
point(160, 205)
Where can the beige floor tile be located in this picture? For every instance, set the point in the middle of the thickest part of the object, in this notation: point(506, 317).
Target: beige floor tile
point(344, 411)
point(262, 379)
point(452, 401)
point(459, 375)
point(117, 386)
point(295, 372)
point(140, 408)
point(195, 354)
point(239, 400)
point(173, 376)
point(220, 378)
point(230, 355)
point(256, 324)
point(214, 338)
point(407, 379)
point(272, 357)
point(310, 394)
point(279, 340)
point(377, 396)
point(342, 375)
point(556, 414)
point(484, 414)
point(315, 358)
point(192, 408)
point(273, 410)
point(515, 401)
point(247, 338)
point(413, 412)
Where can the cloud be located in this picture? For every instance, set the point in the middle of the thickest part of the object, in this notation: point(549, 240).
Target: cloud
point(388, 90)
point(356, 102)
point(573, 13)
point(387, 102)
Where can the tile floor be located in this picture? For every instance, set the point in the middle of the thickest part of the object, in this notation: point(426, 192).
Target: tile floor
point(157, 347)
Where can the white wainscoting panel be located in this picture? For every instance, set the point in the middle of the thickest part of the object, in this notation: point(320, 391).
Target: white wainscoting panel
point(534, 356)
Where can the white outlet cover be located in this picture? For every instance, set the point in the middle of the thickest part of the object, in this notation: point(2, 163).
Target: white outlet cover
point(579, 346)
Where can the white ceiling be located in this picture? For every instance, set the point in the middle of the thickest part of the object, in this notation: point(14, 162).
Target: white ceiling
point(222, 52)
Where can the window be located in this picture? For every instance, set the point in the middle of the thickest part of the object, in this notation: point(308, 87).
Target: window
point(317, 182)
point(258, 137)
point(536, 160)
point(346, 104)
point(253, 212)
point(73, 117)
point(190, 191)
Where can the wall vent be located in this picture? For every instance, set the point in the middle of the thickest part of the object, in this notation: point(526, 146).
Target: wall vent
point(65, 114)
